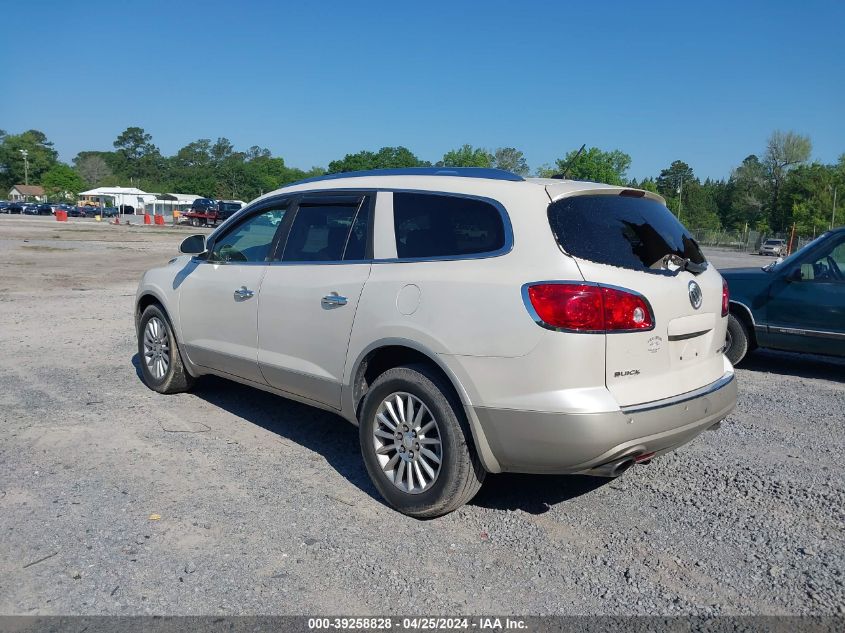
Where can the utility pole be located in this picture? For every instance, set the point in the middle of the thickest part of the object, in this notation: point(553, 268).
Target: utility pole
point(25, 154)
point(680, 191)
point(833, 213)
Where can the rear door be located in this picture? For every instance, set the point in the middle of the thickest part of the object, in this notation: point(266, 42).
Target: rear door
point(309, 298)
point(622, 238)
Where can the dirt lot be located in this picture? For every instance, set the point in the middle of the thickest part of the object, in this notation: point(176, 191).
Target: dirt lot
point(117, 500)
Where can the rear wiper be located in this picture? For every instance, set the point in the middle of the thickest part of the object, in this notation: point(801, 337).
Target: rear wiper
point(684, 263)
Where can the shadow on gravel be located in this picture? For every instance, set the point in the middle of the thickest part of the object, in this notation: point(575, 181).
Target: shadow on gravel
point(787, 364)
point(534, 494)
point(136, 363)
point(320, 431)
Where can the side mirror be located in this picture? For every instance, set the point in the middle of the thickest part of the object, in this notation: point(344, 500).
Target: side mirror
point(193, 245)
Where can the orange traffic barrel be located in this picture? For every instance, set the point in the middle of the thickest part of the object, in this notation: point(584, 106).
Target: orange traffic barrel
point(147, 219)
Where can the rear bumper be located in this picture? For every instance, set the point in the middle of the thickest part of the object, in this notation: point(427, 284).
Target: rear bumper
point(540, 442)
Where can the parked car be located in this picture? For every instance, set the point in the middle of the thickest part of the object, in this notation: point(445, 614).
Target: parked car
point(15, 207)
point(797, 304)
point(44, 209)
point(30, 209)
point(4, 206)
point(773, 247)
point(108, 212)
point(467, 320)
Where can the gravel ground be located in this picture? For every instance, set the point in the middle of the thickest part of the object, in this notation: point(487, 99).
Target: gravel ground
point(117, 500)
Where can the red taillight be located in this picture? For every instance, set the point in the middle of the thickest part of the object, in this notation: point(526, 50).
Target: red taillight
point(726, 295)
point(588, 308)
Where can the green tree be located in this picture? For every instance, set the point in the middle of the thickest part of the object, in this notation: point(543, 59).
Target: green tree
point(649, 184)
point(784, 151)
point(806, 197)
point(41, 156)
point(93, 169)
point(62, 181)
point(749, 194)
point(467, 156)
point(385, 158)
point(673, 178)
point(510, 159)
point(137, 158)
point(192, 169)
point(592, 164)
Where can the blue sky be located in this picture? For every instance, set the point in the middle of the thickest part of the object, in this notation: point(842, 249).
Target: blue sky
point(705, 82)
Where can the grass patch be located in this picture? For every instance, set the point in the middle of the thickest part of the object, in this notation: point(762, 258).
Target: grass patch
point(44, 249)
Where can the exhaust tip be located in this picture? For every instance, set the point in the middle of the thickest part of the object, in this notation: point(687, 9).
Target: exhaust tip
point(622, 466)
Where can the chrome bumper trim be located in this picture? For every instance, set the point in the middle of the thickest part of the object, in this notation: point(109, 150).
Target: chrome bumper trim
point(689, 395)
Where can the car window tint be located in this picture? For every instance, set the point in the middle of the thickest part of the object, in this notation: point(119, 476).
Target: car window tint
point(319, 232)
point(250, 240)
point(356, 243)
point(633, 233)
point(433, 225)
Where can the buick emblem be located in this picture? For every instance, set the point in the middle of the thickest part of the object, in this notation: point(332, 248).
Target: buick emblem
point(695, 295)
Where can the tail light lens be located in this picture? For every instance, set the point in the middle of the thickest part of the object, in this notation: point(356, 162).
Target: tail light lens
point(588, 308)
point(726, 296)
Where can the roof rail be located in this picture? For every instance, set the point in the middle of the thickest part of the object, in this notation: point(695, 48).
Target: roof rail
point(461, 172)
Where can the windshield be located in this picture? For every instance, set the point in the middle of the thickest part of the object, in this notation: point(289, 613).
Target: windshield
point(633, 233)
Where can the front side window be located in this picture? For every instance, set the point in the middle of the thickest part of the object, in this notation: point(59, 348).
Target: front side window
point(435, 225)
point(322, 231)
point(829, 265)
point(249, 241)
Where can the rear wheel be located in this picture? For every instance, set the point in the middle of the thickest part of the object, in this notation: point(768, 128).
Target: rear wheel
point(161, 362)
point(416, 443)
point(737, 340)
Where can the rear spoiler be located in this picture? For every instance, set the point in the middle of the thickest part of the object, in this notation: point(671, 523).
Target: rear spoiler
point(566, 188)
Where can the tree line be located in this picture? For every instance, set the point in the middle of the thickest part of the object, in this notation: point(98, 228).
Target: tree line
point(767, 192)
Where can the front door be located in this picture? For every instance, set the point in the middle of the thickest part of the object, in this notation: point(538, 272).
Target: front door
point(309, 298)
point(806, 308)
point(218, 301)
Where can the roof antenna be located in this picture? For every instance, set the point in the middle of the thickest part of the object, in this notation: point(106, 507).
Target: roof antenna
point(562, 175)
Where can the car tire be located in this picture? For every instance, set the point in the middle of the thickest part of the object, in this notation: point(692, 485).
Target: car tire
point(432, 489)
point(158, 352)
point(737, 340)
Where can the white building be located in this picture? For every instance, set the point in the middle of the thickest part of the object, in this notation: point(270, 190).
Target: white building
point(167, 203)
point(127, 199)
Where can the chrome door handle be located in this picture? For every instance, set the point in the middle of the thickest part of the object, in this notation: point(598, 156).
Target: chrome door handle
point(334, 299)
point(243, 293)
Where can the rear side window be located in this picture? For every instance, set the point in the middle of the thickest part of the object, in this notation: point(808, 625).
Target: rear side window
point(433, 225)
point(633, 233)
point(321, 231)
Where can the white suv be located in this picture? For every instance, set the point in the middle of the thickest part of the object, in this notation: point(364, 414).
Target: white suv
point(467, 320)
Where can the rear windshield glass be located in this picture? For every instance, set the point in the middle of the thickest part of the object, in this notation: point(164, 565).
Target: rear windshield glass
point(633, 233)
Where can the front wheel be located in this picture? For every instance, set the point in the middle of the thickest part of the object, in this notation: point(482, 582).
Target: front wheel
point(416, 443)
point(161, 363)
point(737, 340)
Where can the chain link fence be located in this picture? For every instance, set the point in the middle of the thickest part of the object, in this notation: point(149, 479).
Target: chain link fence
point(745, 241)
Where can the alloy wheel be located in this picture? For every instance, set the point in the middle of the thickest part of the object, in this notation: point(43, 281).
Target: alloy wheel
point(156, 348)
point(407, 441)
